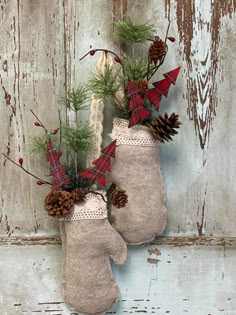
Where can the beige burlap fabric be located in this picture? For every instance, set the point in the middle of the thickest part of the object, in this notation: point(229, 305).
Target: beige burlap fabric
point(88, 243)
point(136, 169)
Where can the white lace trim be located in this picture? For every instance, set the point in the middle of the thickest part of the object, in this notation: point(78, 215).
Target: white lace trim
point(96, 111)
point(136, 135)
point(93, 208)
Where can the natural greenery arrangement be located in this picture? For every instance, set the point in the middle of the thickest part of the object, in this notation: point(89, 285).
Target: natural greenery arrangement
point(131, 78)
point(128, 86)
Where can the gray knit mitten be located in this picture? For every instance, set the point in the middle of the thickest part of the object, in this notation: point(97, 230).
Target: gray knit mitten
point(136, 170)
point(88, 243)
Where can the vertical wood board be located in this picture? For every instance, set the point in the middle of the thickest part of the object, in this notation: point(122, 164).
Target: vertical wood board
point(39, 60)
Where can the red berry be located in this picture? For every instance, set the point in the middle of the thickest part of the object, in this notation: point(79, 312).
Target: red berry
point(37, 124)
point(172, 39)
point(59, 154)
point(20, 161)
point(39, 182)
point(92, 52)
point(117, 59)
point(54, 132)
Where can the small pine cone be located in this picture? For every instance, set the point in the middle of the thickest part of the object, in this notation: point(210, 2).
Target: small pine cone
point(143, 86)
point(78, 195)
point(119, 198)
point(162, 128)
point(58, 203)
point(157, 51)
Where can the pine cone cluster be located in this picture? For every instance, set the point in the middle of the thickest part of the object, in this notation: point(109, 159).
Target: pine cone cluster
point(143, 86)
point(78, 195)
point(157, 51)
point(163, 127)
point(58, 203)
point(119, 198)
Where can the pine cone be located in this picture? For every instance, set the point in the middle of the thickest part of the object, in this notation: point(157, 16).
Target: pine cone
point(143, 86)
point(162, 128)
point(78, 195)
point(157, 51)
point(58, 203)
point(119, 198)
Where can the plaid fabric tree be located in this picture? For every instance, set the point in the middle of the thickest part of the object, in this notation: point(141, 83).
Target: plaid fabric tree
point(57, 169)
point(102, 165)
point(136, 104)
point(162, 87)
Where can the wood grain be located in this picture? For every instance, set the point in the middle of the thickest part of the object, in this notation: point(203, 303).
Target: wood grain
point(32, 78)
point(187, 280)
point(40, 59)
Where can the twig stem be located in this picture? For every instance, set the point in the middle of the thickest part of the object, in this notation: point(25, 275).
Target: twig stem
point(39, 121)
point(25, 170)
point(106, 51)
point(97, 193)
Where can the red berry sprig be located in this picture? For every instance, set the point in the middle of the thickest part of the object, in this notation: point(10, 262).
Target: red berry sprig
point(117, 59)
point(172, 39)
point(37, 124)
point(55, 131)
point(39, 182)
point(92, 52)
point(19, 164)
point(20, 160)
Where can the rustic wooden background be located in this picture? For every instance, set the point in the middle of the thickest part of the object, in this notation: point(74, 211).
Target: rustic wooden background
point(41, 43)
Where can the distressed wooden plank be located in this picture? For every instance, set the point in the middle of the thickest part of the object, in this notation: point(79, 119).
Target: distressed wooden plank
point(31, 77)
point(40, 57)
point(176, 241)
point(156, 279)
point(198, 167)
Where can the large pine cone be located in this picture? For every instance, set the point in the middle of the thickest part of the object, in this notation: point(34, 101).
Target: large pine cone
point(58, 203)
point(157, 51)
point(162, 128)
point(119, 198)
point(78, 195)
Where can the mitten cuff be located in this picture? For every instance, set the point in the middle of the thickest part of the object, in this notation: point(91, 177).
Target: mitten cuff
point(137, 135)
point(93, 208)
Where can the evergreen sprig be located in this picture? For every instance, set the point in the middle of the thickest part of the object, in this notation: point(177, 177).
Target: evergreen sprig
point(136, 33)
point(78, 139)
point(105, 83)
point(76, 98)
point(76, 181)
point(39, 145)
point(135, 69)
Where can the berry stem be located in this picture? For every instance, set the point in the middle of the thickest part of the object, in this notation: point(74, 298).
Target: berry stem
point(167, 31)
point(25, 170)
point(39, 121)
point(106, 51)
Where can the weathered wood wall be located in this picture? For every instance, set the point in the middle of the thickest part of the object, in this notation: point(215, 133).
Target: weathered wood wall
point(41, 42)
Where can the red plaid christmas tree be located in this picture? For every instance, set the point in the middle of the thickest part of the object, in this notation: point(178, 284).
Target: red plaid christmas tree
point(162, 87)
point(136, 104)
point(102, 165)
point(57, 169)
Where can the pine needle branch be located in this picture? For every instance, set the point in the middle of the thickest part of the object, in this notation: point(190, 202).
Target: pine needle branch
point(106, 83)
point(39, 145)
point(129, 31)
point(135, 69)
point(76, 98)
point(78, 139)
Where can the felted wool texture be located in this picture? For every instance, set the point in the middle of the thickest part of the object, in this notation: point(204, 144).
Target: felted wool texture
point(136, 169)
point(88, 283)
